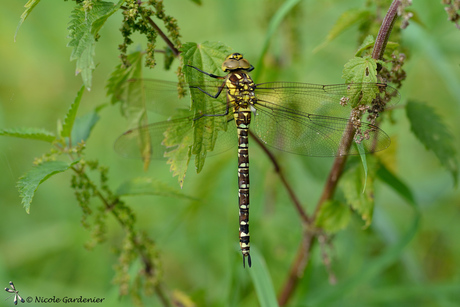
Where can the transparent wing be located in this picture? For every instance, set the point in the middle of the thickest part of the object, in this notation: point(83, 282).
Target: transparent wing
point(165, 97)
point(307, 119)
point(156, 140)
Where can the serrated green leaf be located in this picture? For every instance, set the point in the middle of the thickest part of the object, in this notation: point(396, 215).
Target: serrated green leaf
point(83, 126)
point(30, 5)
point(368, 43)
point(395, 183)
point(71, 114)
point(148, 186)
point(28, 184)
point(430, 130)
point(29, 133)
point(344, 22)
point(84, 25)
point(106, 10)
point(262, 280)
point(333, 216)
point(361, 70)
point(207, 57)
point(127, 92)
point(179, 157)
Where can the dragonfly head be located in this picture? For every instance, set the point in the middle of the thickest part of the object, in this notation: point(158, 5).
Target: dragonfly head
point(235, 61)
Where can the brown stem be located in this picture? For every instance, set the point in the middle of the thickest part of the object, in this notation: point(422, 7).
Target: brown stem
point(303, 254)
point(385, 30)
point(297, 267)
point(158, 30)
point(163, 36)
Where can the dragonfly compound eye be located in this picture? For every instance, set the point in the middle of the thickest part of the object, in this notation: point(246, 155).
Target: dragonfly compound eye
point(235, 61)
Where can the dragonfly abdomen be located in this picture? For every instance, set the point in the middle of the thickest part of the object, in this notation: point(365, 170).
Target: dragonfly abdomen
point(242, 119)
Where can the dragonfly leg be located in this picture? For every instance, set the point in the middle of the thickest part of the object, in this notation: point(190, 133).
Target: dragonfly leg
point(210, 95)
point(206, 73)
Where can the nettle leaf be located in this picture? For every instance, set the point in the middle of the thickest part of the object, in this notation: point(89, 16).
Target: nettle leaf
point(104, 11)
point(29, 133)
point(361, 70)
point(358, 198)
point(118, 88)
point(207, 57)
point(83, 125)
point(30, 5)
point(71, 114)
point(28, 184)
point(429, 128)
point(368, 43)
point(148, 186)
point(179, 157)
point(333, 216)
point(83, 31)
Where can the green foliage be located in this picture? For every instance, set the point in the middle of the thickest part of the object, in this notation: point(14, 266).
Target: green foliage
point(395, 183)
point(137, 19)
point(262, 281)
point(359, 199)
point(28, 184)
point(30, 5)
point(361, 70)
point(344, 22)
point(71, 114)
point(207, 57)
point(85, 23)
point(274, 24)
point(82, 127)
point(368, 270)
point(333, 216)
point(29, 133)
point(117, 87)
point(185, 237)
point(148, 186)
point(429, 128)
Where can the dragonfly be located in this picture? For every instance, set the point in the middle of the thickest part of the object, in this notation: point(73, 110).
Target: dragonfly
point(15, 293)
point(300, 118)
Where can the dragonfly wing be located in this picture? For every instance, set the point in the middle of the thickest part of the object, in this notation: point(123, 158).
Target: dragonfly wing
point(165, 97)
point(307, 119)
point(157, 140)
point(308, 98)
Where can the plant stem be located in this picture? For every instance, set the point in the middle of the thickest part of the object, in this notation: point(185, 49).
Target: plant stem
point(158, 30)
point(385, 30)
point(163, 36)
point(149, 267)
point(303, 254)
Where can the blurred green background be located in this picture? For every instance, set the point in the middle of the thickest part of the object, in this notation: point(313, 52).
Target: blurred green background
point(43, 252)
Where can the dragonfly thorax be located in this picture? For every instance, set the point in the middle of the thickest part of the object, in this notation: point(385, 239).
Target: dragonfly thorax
point(240, 90)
